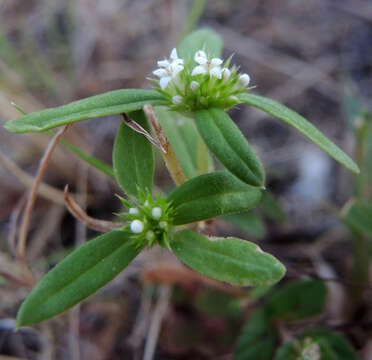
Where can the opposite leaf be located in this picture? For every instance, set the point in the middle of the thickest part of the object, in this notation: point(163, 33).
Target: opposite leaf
point(80, 274)
point(302, 125)
point(210, 195)
point(133, 157)
point(110, 103)
point(228, 144)
point(233, 260)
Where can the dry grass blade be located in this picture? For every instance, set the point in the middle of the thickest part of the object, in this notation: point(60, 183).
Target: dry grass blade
point(139, 129)
point(156, 321)
point(33, 192)
point(169, 155)
point(13, 222)
point(15, 280)
point(95, 224)
point(46, 191)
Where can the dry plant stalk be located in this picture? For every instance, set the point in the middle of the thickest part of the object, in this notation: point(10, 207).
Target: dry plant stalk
point(46, 191)
point(33, 191)
point(95, 224)
point(169, 156)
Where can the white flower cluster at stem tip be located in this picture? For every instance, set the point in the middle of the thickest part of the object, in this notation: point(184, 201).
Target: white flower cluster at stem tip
point(169, 69)
point(206, 81)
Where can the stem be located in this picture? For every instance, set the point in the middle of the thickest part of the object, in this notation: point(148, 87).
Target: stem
point(169, 155)
point(360, 267)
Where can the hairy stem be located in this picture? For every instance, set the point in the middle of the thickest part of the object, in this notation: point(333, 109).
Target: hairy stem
point(168, 154)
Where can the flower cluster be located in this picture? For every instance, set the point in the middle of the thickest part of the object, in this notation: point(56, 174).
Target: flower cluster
point(148, 220)
point(201, 82)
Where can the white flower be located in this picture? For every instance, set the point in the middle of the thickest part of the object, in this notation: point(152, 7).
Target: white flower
point(194, 85)
point(137, 226)
point(177, 99)
point(213, 66)
point(133, 211)
point(244, 80)
point(226, 73)
point(156, 213)
point(169, 69)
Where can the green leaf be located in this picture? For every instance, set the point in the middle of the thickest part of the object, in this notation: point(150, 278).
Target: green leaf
point(233, 260)
point(358, 217)
point(190, 149)
point(133, 157)
point(249, 222)
point(205, 39)
point(229, 145)
point(331, 343)
point(271, 208)
point(287, 351)
point(298, 300)
point(110, 103)
point(258, 338)
point(91, 160)
point(211, 195)
point(80, 274)
point(302, 125)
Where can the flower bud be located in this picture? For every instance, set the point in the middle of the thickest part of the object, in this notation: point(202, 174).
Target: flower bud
point(156, 213)
point(137, 226)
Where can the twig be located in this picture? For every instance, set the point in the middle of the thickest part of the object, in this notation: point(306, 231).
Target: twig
point(33, 192)
point(46, 228)
point(88, 221)
point(156, 320)
point(13, 223)
point(46, 191)
point(15, 280)
point(139, 329)
point(169, 156)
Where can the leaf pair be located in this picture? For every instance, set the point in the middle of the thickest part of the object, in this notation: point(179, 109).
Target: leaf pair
point(97, 262)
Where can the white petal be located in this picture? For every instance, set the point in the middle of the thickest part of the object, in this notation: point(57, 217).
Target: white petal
point(244, 80)
point(226, 73)
point(133, 211)
point(216, 72)
point(177, 99)
point(194, 85)
point(216, 62)
point(176, 69)
point(177, 62)
point(163, 63)
point(173, 54)
point(200, 57)
point(160, 73)
point(164, 82)
point(198, 70)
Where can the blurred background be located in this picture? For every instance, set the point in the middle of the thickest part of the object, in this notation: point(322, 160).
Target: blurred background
point(314, 56)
